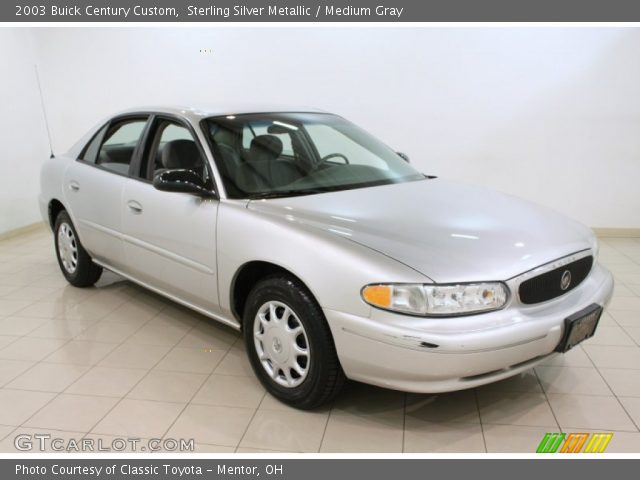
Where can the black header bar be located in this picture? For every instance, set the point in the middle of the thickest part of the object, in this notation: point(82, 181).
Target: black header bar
point(230, 11)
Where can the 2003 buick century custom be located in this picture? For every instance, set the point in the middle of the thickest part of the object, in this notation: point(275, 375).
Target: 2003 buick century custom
point(334, 256)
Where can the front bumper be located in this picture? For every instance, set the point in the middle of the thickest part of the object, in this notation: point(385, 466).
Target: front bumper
point(431, 355)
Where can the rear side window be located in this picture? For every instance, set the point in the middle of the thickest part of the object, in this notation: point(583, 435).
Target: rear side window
point(119, 144)
point(90, 152)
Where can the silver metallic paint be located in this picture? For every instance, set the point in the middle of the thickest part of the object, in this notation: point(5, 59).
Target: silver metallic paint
point(417, 232)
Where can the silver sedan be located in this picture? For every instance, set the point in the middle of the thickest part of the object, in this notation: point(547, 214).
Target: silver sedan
point(334, 256)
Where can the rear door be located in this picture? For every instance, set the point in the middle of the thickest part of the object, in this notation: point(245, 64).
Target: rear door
point(94, 186)
point(170, 238)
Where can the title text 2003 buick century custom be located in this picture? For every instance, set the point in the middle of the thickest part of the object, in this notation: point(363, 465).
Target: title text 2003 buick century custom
point(333, 255)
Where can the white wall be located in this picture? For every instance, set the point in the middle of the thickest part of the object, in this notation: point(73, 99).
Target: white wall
point(23, 139)
point(552, 115)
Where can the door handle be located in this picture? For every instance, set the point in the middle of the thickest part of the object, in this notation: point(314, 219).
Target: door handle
point(74, 186)
point(134, 206)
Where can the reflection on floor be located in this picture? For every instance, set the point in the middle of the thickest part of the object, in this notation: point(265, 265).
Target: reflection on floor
point(117, 361)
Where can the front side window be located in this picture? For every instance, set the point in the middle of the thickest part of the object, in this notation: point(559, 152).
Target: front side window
point(270, 155)
point(119, 144)
point(173, 146)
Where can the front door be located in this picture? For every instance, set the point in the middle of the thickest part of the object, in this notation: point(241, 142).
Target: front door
point(170, 238)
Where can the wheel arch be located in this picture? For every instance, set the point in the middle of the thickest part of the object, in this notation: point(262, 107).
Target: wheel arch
point(248, 275)
point(54, 208)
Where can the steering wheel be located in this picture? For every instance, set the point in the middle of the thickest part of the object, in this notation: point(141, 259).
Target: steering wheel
point(326, 158)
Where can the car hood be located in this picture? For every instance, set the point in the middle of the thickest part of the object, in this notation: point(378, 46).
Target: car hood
point(448, 231)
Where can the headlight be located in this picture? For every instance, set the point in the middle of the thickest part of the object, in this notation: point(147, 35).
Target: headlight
point(437, 300)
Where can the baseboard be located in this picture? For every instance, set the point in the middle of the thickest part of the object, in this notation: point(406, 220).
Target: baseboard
point(617, 232)
point(34, 227)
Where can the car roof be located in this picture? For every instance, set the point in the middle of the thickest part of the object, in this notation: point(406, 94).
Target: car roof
point(197, 113)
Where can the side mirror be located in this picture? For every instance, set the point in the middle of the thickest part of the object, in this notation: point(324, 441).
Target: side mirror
point(404, 156)
point(182, 181)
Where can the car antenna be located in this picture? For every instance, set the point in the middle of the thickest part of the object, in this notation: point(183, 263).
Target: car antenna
point(44, 112)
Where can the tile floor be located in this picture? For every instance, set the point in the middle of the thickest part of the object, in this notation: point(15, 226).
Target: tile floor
point(116, 361)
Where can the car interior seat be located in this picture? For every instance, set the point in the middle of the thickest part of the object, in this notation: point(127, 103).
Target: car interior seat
point(263, 170)
point(183, 154)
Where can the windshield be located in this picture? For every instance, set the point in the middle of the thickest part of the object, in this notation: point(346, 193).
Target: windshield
point(285, 154)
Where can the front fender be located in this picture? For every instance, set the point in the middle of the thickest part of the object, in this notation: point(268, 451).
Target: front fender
point(333, 267)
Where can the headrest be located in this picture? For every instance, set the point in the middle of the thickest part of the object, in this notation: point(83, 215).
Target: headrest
point(265, 147)
point(181, 154)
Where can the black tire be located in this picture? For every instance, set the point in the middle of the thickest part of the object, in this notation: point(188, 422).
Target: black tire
point(86, 273)
point(324, 378)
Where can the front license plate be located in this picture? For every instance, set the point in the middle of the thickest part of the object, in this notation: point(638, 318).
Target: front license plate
point(579, 326)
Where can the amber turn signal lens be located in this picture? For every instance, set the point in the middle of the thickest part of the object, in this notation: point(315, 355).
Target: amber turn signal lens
point(378, 295)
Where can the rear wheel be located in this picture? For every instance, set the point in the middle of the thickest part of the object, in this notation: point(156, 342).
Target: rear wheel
point(75, 263)
point(290, 344)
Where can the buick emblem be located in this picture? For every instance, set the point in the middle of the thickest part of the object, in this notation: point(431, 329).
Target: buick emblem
point(565, 280)
point(277, 345)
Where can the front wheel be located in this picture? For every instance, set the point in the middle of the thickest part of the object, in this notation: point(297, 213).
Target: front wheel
point(74, 261)
point(290, 344)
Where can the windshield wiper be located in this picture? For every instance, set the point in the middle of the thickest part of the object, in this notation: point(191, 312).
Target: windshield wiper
point(286, 193)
